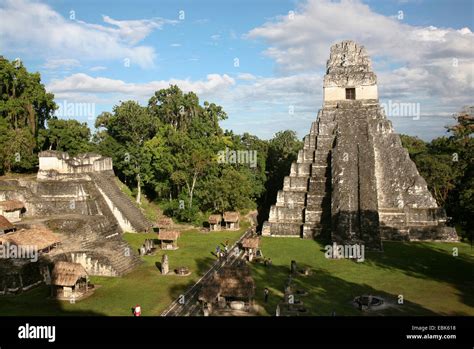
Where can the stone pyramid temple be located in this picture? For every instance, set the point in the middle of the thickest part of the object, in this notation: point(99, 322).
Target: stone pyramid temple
point(353, 182)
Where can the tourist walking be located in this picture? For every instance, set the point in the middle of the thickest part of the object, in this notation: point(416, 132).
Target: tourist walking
point(266, 292)
point(137, 311)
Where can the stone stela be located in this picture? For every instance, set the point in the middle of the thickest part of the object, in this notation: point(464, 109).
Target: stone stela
point(165, 266)
point(353, 182)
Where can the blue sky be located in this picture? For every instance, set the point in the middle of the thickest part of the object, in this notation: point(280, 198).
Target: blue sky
point(107, 51)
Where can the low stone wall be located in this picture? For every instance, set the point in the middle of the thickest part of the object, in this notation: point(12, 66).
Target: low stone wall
point(92, 265)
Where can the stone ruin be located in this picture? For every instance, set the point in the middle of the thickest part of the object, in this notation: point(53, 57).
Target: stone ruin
point(353, 181)
point(56, 167)
point(78, 197)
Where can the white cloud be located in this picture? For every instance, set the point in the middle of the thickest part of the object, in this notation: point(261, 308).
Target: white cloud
point(301, 42)
point(36, 29)
point(298, 90)
point(261, 98)
point(76, 86)
point(64, 63)
point(97, 68)
point(135, 31)
point(246, 76)
point(417, 61)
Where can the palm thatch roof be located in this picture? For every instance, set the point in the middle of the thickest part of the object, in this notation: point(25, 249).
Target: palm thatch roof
point(231, 216)
point(41, 238)
point(11, 205)
point(252, 242)
point(168, 235)
point(209, 292)
point(215, 219)
point(5, 224)
point(229, 281)
point(67, 273)
point(164, 222)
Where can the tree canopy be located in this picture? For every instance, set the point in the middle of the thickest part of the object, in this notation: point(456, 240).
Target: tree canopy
point(25, 107)
point(447, 164)
point(175, 150)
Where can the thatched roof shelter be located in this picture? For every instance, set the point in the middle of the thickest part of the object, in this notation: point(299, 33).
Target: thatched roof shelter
point(231, 216)
point(252, 242)
point(67, 273)
point(230, 281)
point(11, 205)
point(215, 219)
point(5, 224)
point(41, 238)
point(164, 222)
point(209, 292)
point(168, 235)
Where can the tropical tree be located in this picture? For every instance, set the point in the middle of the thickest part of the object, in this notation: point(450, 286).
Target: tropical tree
point(69, 136)
point(174, 107)
point(25, 106)
point(24, 101)
point(130, 125)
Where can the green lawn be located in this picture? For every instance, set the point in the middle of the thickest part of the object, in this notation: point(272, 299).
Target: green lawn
point(431, 280)
point(144, 286)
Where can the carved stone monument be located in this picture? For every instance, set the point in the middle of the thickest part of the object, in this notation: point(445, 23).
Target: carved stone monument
point(165, 267)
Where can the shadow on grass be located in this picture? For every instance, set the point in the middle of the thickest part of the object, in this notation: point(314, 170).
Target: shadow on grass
point(202, 266)
point(37, 302)
point(420, 260)
point(326, 294)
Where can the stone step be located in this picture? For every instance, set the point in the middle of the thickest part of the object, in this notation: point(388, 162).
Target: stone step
point(324, 142)
point(310, 230)
point(305, 156)
point(128, 209)
point(317, 199)
point(319, 171)
point(326, 127)
point(314, 129)
point(318, 186)
point(296, 183)
point(286, 214)
point(309, 142)
point(282, 229)
point(321, 156)
point(300, 169)
point(285, 198)
point(313, 215)
point(122, 263)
